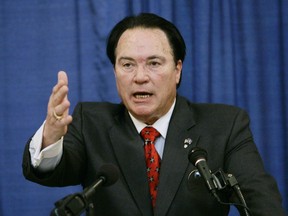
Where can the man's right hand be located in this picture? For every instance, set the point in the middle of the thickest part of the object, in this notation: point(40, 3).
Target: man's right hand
point(58, 118)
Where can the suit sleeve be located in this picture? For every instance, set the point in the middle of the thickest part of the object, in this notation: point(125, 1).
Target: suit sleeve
point(244, 161)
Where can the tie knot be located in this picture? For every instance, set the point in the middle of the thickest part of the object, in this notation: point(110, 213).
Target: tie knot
point(149, 134)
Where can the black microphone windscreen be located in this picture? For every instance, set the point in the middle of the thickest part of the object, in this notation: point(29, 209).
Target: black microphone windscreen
point(110, 172)
point(196, 153)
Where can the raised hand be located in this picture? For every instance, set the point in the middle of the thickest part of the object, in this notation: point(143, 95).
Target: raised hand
point(58, 118)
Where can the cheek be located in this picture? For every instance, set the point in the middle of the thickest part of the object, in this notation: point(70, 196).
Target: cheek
point(122, 83)
point(173, 79)
point(119, 84)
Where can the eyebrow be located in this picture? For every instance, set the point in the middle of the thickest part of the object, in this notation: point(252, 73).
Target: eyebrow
point(125, 58)
point(156, 57)
point(149, 58)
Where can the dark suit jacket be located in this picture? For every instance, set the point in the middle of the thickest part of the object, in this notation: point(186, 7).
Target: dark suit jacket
point(104, 133)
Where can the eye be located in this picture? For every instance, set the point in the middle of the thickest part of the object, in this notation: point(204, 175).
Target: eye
point(128, 66)
point(154, 64)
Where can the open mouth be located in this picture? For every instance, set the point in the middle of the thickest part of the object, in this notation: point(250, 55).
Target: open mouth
point(142, 95)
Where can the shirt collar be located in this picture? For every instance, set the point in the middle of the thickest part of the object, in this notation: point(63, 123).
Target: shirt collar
point(161, 125)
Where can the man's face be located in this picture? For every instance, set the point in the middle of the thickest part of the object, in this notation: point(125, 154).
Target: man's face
point(146, 74)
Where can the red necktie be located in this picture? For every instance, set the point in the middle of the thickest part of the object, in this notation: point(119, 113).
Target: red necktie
point(149, 135)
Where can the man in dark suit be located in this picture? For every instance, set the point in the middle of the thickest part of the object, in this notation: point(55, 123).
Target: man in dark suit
point(147, 53)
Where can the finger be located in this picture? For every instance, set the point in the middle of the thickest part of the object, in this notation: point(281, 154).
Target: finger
point(60, 90)
point(61, 109)
point(62, 85)
point(62, 77)
point(62, 122)
point(59, 96)
point(62, 81)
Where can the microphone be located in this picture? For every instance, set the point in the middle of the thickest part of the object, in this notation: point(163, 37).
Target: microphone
point(198, 157)
point(218, 180)
point(75, 204)
point(108, 174)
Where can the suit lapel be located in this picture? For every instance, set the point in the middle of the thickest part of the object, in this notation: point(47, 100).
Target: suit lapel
point(175, 158)
point(128, 148)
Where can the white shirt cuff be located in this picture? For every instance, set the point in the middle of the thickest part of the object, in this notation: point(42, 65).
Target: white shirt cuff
point(49, 157)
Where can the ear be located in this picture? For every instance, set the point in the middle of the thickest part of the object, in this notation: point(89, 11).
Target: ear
point(178, 71)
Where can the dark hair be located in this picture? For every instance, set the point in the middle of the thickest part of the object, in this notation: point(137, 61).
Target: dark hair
point(147, 20)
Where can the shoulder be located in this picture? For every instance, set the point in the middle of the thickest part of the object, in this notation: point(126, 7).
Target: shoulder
point(212, 111)
point(215, 108)
point(209, 107)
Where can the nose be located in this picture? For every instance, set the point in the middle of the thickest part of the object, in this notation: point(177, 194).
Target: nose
point(141, 75)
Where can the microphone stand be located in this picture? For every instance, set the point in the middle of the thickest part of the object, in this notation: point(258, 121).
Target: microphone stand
point(218, 180)
point(75, 204)
point(71, 205)
point(222, 180)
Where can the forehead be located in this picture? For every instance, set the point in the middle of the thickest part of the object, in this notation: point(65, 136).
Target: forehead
point(143, 41)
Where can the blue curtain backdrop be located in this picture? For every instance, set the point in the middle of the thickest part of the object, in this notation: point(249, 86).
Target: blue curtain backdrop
point(237, 54)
